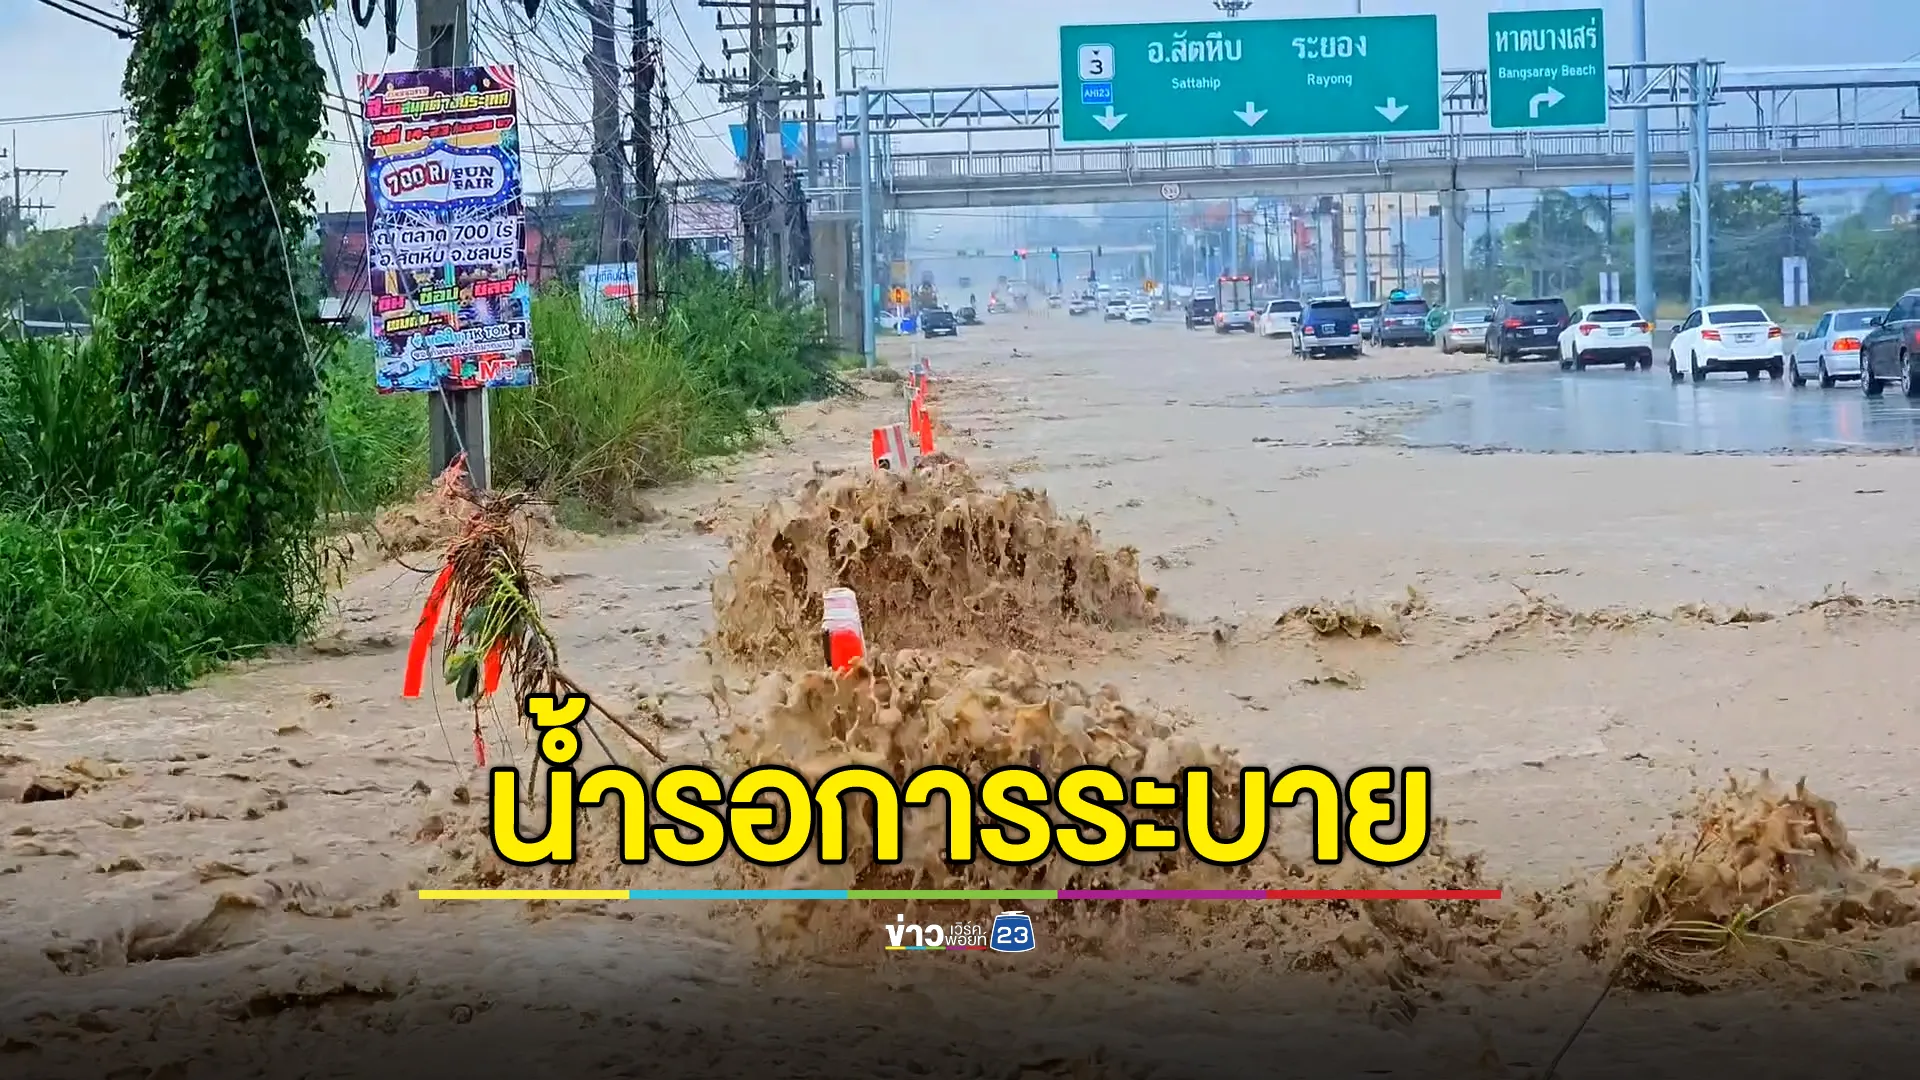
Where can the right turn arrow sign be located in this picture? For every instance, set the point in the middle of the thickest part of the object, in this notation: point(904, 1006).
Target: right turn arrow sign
point(1549, 99)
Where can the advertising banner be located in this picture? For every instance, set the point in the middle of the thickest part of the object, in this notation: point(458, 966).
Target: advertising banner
point(607, 290)
point(446, 252)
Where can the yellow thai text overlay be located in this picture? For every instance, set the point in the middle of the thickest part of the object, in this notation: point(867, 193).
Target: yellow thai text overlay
point(689, 815)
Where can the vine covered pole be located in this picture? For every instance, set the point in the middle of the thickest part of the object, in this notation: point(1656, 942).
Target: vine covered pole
point(458, 421)
point(200, 304)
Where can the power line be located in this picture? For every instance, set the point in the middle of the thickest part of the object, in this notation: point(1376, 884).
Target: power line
point(49, 118)
point(124, 30)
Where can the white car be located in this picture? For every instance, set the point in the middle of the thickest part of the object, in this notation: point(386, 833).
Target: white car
point(1606, 334)
point(1139, 312)
point(1727, 337)
point(1279, 318)
point(1830, 349)
point(1116, 308)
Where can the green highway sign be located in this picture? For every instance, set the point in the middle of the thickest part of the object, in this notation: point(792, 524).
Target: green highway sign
point(1364, 74)
point(1546, 69)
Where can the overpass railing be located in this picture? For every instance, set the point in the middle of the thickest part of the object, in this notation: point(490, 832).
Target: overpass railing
point(1381, 152)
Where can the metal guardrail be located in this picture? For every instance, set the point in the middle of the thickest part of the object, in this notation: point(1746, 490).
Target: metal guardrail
point(1380, 152)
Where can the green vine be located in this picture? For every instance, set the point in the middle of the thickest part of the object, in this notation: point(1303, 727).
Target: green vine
point(225, 103)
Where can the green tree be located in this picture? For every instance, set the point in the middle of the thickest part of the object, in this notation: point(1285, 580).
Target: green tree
point(50, 274)
point(224, 105)
point(1559, 247)
point(1859, 263)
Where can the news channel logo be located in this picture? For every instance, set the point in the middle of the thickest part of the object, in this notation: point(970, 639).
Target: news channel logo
point(1010, 932)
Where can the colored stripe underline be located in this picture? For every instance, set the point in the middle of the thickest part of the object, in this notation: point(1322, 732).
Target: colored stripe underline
point(710, 895)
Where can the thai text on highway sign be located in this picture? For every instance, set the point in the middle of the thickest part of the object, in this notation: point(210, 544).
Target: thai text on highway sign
point(1546, 68)
point(1250, 78)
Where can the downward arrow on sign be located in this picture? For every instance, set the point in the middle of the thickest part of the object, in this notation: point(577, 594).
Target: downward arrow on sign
point(1109, 119)
point(1392, 110)
point(1250, 114)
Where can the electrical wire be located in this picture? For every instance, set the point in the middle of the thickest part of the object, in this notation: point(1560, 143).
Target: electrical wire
point(116, 25)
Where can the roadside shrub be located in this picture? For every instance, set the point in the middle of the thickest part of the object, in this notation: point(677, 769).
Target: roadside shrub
point(372, 447)
point(622, 405)
point(99, 601)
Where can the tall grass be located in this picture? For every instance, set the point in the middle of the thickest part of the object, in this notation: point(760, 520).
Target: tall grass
point(95, 596)
point(98, 596)
point(622, 405)
point(372, 446)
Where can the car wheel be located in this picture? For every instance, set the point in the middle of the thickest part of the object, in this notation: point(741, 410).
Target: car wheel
point(1579, 362)
point(1776, 369)
point(1699, 373)
point(1826, 380)
point(1753, 374)
point(1798, 380)
point(1566, 364)
point(1909, 377)
point(1673, 368)
point(1869, 384)
point(1446, 348)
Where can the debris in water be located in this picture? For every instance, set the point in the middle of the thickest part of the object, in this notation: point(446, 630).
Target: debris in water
point(935, 557)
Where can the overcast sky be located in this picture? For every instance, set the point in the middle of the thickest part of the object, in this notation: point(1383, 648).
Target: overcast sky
point(51, 63)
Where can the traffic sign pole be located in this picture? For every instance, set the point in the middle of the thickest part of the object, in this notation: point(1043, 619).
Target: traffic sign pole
point(1362, 74)
point(1546, 69)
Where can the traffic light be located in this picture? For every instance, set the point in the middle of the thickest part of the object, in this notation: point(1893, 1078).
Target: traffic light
point(1056, 254)
point(1099, 250)
point(1018, 254)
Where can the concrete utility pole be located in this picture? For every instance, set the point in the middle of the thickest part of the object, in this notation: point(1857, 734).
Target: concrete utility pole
point(1362, 274)
point(1644, 296)
point(646, 216)
point(764, 71)
point(764, 209)
point(869, 299)
point(457, 420)
point(13, 227)
point(812, 81)
point(609, 166)
point(1487, 231)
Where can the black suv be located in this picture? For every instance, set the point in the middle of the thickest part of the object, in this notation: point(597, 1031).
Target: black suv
point(1527, 328)
point(1891, 350)
point(1200, 311)
point(1403, 322)
point(935, 322)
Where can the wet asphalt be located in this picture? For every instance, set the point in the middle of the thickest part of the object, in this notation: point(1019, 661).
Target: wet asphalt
point(1538, 408)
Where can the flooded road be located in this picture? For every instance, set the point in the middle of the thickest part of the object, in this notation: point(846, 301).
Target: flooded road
point(1540, 409)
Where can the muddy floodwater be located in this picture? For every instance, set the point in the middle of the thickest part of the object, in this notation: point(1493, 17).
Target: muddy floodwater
point(1541, 409)
point(222, 882)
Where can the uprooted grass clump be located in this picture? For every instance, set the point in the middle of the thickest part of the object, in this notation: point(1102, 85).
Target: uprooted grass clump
point(934, 557)
point(446, 511)
point(1755, 883)
point(1385, 621)
point(914, 710)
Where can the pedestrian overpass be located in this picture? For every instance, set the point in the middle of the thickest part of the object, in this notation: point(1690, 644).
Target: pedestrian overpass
point(1001, 144)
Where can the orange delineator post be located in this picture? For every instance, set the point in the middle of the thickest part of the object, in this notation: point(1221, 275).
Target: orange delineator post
point(891, 450)
point(925, 432)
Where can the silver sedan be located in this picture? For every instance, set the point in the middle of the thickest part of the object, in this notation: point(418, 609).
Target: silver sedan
point(1466, 330)
point(1830, 350)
